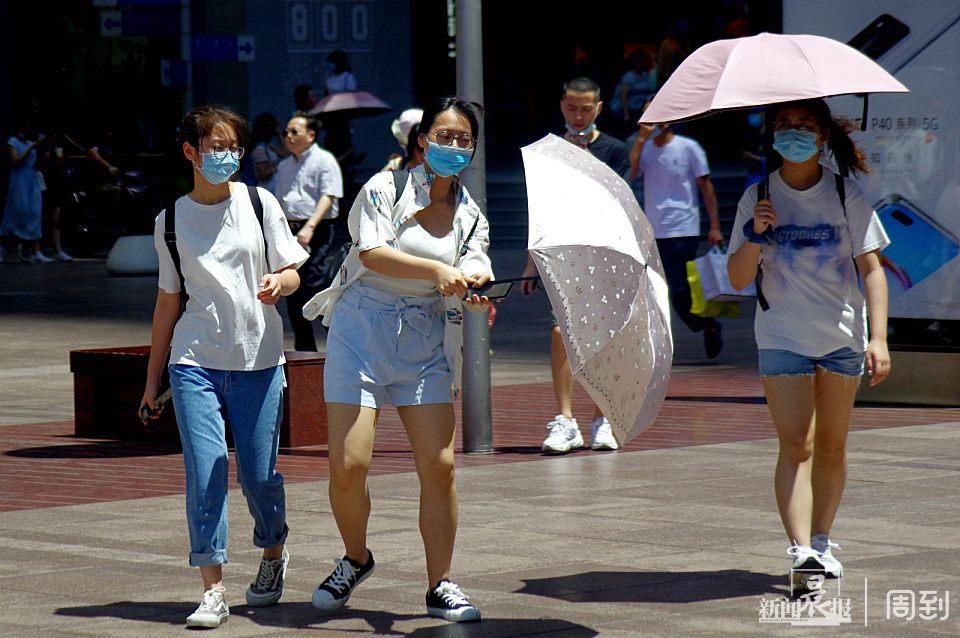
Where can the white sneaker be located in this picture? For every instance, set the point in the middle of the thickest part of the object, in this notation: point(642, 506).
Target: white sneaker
point(601, 436)
point(564, 435)
point(62, 256)
point(806, 571)
point(213, 610)
point(822, 545)
point(40, 258)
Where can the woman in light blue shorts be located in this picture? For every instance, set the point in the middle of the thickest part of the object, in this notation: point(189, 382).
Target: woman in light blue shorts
point(809, 242)
point(395, 319)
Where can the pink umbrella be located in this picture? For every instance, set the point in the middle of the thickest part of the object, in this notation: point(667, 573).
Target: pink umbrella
point(765, 69)
point(350, 104)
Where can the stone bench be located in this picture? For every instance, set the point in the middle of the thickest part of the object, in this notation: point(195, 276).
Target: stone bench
point(108, 385)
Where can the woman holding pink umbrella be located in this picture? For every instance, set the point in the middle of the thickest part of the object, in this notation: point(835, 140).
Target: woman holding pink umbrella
point(809, 239)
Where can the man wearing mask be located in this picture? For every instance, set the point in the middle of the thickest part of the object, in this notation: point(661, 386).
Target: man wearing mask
point(580, 105)
point(309, 183)
point(671, 165)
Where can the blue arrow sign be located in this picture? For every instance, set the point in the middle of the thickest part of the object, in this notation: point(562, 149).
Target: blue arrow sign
point(224, 48)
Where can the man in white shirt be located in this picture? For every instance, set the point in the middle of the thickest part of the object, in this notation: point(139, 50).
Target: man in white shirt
point(674, 168)
point(309, 183)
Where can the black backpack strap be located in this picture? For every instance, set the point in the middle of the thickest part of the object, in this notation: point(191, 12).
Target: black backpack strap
point(258, 211)
point(763, 192)
point(170, 239)
point(400, 178)
point(842, 192)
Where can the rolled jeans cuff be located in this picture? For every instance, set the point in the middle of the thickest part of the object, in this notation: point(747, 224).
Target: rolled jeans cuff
point(218, 557)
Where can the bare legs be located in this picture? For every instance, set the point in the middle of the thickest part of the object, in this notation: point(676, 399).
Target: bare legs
point(430, 428)
point(812, 417)
point(562, 377)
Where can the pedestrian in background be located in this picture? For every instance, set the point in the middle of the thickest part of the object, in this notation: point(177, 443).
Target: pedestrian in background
point(815, 239)
point(267, 151)
point(675, 171)
point(309, 187)
point(225, 352)
point(23, 211)
point(580, 105)
point(406, 130)
point(395, 337)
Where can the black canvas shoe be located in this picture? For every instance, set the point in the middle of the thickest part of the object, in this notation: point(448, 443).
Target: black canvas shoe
point(267, 588)
point(448, 602)
point(713, 340)
point(334, 592)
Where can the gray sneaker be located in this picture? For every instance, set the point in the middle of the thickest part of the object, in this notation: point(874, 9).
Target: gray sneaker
point(213, 610)
point(267, 588)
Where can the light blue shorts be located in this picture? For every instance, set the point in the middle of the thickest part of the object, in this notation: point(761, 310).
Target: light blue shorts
point(383, 349)
point(783, 363)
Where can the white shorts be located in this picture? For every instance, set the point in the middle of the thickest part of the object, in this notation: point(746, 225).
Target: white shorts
point(383, 349)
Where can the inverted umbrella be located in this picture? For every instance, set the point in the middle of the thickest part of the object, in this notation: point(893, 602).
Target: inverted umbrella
point(350, 104)
point(766, 69)
point(596, 254)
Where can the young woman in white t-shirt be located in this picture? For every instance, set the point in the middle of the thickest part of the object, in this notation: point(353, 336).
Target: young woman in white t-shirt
point(812, 241)
point(225, 353)
point(394, 321)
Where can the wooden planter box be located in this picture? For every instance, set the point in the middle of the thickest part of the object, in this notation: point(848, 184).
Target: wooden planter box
point(108, 386)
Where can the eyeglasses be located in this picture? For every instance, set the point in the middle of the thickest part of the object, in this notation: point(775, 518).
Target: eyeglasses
point(292, 132)
point(449, 138)
point(220, 150)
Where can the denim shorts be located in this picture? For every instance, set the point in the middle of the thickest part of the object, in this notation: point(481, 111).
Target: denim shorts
point(783, 363)
point(382, 349)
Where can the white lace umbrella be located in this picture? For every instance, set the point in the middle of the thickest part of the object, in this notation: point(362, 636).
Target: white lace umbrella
point(598, 259)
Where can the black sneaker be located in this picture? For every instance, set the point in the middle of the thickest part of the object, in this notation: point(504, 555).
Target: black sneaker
point(448, 602)
point(713, 340)
point(334, 592)
point(267, 588)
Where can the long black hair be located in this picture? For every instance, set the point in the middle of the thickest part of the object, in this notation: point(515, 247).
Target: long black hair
point(851, 160)
point(470, 110)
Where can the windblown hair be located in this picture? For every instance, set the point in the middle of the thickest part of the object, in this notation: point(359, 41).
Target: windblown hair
point(202, 120)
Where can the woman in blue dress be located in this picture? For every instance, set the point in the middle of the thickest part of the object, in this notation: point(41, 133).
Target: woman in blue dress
point(23, 212)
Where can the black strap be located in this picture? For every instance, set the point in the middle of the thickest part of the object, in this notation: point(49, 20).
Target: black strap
point(400, 178)
point(170, 237)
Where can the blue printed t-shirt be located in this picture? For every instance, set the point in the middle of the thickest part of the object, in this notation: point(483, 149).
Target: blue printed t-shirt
point(809, 277)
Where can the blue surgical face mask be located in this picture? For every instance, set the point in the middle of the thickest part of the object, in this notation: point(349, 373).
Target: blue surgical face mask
point(795, 145)
point(218, 167)
point(447, 160)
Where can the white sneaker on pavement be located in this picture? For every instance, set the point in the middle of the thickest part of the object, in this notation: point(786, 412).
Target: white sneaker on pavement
point(40, 258)
point(822, 545)
point(213, 610)
point(62, 256)
point(601, 436)
point(563, 435)
point(806, 571)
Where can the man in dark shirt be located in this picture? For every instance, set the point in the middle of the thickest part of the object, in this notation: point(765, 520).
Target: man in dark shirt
point(580, 105)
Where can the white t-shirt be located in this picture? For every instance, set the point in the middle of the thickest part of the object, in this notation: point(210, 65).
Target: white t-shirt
point(414, 240)
point(809, 277)
point(225, 326)
point(302, 182)
point(341, 83)
point(670, 191)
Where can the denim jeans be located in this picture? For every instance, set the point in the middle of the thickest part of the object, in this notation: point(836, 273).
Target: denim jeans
point(252, 402)
point(783, 363)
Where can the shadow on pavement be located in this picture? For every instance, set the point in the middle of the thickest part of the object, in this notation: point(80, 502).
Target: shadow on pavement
point(301, 615)
point(654, 587)
point(105, 450)
point(741, 400)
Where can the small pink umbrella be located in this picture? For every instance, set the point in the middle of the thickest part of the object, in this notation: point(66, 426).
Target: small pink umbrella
point(350, 104)
point(765, 69)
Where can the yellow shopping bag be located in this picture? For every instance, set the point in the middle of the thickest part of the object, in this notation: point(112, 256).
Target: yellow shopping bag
point(699, 304)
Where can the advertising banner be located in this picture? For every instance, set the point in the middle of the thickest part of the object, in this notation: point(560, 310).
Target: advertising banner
point(912, 140)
